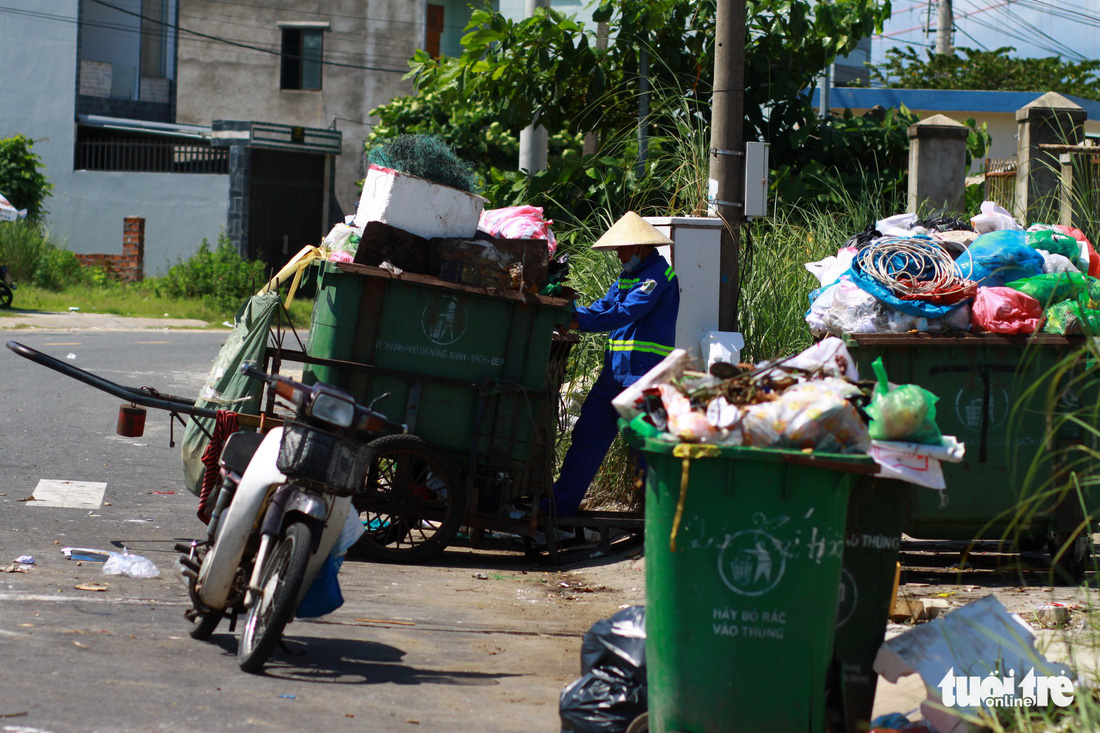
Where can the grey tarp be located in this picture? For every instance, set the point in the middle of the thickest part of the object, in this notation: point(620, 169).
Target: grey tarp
point(225, 387)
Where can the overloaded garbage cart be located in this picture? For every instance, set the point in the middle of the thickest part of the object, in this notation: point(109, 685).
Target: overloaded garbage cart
point(474, 372)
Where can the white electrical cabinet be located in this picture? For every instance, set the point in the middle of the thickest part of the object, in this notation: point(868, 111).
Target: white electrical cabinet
point(695, 258)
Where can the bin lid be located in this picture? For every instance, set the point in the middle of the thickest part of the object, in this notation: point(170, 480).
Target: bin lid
point(849, 463)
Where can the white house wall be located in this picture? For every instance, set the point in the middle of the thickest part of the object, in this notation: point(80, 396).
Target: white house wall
point(37, 99)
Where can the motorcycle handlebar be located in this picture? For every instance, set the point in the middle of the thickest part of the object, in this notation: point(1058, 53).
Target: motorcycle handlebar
point(250, 369)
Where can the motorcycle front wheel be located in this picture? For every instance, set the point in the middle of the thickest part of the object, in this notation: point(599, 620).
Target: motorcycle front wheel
point(280, 582)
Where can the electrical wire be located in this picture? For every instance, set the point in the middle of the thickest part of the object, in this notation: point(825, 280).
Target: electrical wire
point(911, 268)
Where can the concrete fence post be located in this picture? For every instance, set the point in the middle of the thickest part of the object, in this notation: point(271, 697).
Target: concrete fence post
point(1049, 120)
point(937, 166)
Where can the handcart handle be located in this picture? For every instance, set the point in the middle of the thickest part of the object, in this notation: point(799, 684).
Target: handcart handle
point(135, 395)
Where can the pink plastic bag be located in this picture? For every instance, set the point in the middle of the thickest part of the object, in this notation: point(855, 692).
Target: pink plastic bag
point(1004, 310)
point(518, 222)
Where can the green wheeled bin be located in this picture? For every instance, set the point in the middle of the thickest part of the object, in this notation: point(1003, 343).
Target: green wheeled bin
point(1006, 398)
point(474, 373)
point(744, 549)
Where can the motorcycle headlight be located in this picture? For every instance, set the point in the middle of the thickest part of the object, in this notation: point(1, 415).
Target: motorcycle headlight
point(333, 409)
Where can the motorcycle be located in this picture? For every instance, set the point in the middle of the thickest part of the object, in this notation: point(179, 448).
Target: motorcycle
point(283, 501)
point(7, 285)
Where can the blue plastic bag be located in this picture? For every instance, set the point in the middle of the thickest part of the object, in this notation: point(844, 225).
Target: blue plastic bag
point(324, 595)
point(996, 258)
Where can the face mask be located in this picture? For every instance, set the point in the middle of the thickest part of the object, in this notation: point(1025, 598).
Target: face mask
point(633, 263)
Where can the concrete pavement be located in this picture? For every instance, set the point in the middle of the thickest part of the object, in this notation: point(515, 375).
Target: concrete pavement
point(15, 319)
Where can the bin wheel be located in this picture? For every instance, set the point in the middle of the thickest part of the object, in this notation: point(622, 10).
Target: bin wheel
point(639, 724)
point(412, 503)
point(1071, 556)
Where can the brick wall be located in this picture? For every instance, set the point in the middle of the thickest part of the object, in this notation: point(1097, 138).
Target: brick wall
point(129, 266)
point(95, 78)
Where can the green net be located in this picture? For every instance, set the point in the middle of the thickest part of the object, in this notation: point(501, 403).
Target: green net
point(424, 156)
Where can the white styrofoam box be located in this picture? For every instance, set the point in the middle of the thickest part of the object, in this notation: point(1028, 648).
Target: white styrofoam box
point(721, 346)
point(417, 206)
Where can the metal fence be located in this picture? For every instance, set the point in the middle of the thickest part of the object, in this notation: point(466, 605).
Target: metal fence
point(150, 156)
point(1000, 182)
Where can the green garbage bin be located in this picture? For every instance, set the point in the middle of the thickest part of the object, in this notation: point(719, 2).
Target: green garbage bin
point(877, 508)
point(996, 394)
point(744, 548)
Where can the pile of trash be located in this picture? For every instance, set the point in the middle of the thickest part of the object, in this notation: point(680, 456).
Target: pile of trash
point(812, 402)
point(947, 275)
point(459, 242)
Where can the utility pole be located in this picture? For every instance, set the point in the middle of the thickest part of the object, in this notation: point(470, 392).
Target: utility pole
point(945, 23)
point(533, 139)
point(727, 155)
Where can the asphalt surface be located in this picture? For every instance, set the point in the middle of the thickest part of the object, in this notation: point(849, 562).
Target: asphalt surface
point(477, 641)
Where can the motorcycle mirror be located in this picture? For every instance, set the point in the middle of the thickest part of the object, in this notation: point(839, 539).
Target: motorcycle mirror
point(377, 399)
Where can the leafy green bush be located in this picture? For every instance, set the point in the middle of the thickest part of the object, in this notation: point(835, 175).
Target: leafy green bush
point(21, 182)
point(58, 269)
point(21, 247)
point(218, 275)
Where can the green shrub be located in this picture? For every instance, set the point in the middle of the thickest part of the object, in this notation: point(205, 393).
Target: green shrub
point(21, 247)
point(57, 269)
point(21, 182)
point(219, 275)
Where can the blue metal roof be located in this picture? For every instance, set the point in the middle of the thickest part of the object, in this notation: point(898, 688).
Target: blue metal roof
point(945, 100)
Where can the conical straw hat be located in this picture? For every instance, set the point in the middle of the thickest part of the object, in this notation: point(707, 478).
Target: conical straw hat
point(631, 229)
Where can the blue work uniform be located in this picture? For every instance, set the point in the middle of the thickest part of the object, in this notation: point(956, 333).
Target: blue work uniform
point(639, 310)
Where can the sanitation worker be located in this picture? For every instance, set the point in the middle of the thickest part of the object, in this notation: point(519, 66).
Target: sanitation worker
point(639, 312)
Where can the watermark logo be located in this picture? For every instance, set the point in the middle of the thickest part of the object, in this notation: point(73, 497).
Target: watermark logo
point(997, 690)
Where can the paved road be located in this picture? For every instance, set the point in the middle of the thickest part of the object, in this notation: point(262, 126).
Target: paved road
point(480, 642)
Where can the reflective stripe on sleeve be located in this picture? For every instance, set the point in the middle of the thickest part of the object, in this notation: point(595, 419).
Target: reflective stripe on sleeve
point(649, 347)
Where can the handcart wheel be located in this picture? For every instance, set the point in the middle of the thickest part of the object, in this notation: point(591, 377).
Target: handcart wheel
point(412, 503)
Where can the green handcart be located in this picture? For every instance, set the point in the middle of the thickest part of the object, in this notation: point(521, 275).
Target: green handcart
point(475, 373)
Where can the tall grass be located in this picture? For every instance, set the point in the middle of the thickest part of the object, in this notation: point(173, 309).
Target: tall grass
point(775, 284)
point(22, 246)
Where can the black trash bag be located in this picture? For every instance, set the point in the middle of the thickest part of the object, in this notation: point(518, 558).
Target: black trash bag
point(611, 691)
point(604, 700)
point(617, 641)
point(865, 237)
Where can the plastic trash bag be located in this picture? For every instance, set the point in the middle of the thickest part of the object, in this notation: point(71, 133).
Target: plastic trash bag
point(1053, 264)
point(1056, 287)
point(999, 257)
point(829, 357)
point(611, 691)
point(828, 270)
point(1005, 310)
point(518, 222)
point(906, 413)
point(616, 641)
point(684, 422)
point(1071, 317)
point(601, 701)
point(1088, 252)
point(993, 218)
point(812, 415)
point(1053, 242)
point(133, 566)
point(324, 594)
